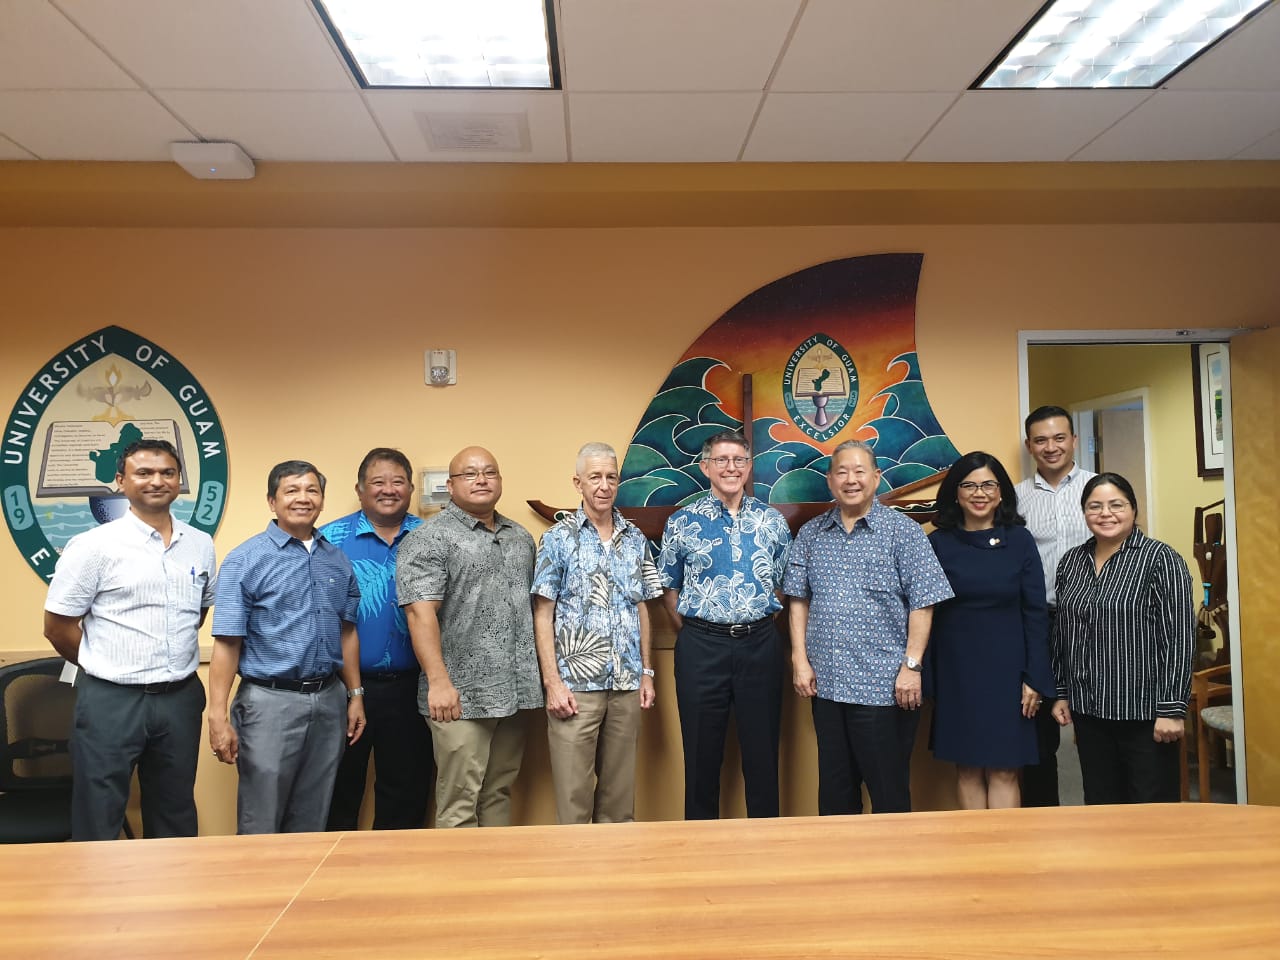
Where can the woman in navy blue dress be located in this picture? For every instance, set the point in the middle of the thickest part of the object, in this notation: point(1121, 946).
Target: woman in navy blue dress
point(987, 666)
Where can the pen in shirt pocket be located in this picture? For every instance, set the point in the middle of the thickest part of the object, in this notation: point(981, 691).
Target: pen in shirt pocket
point(193, 576)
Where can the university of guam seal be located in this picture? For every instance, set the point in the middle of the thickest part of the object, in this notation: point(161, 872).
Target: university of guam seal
point(65, 433)
point(820, 387)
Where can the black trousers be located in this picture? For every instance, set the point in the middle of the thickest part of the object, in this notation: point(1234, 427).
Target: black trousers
point(400, 741)
point(858, 743)
point(119, 728)
point(716, 673)
point(1040, 781)
point(1121, 763)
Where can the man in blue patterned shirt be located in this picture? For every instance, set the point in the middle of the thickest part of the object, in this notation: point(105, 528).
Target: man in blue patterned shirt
point(722, 562)
point(863, 581)
point(398, 736)
point(285, 619)
point(592, 576)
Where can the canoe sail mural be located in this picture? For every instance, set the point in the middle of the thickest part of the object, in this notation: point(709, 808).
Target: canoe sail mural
point(830, 351)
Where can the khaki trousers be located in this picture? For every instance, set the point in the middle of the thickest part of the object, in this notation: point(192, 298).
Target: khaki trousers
point(593, 758)
point(476, 763)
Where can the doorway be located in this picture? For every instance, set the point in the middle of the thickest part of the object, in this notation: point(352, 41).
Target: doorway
point(1131, 395)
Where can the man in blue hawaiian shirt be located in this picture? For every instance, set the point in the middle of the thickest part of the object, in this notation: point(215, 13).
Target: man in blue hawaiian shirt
point(592, 576)
point(722, 562)
point(398, 737)
point(863, 580)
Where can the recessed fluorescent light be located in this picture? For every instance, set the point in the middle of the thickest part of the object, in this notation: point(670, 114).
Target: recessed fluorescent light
point(445, 43)
point(1090, 44)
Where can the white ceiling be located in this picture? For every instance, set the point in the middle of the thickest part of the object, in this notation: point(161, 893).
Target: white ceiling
point(644, 80)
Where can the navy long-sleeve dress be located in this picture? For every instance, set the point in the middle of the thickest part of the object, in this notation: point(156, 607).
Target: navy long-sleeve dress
point(987, 641)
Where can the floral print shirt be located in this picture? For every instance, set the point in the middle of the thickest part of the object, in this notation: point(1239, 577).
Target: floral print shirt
point(597, 588)
point(726, 568)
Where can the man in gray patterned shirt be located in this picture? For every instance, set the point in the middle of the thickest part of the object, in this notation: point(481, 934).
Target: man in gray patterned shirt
point(463, 578)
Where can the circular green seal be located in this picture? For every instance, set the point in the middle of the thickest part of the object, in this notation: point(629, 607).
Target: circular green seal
point(820, 386)
point(66, 430)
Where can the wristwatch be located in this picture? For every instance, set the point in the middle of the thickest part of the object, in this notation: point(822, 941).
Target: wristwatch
point(647, 672)
point(911, 663)
point(355, 692)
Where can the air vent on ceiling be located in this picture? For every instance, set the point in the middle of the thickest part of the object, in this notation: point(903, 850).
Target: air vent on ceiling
point(476, 132)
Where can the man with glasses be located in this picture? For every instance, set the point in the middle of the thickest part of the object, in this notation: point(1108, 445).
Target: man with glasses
point(863, 580)
point(721, 565)
point(398, 738)
point(1049, 499)
point(463, 578)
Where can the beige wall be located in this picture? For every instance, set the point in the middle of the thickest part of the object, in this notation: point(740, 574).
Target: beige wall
point(310, 343)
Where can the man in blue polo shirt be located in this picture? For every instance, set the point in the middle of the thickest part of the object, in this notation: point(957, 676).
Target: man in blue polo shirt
point(284, 618)
point(398, 737)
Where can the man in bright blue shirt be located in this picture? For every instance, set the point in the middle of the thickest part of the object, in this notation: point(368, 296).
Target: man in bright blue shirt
point(721, 565)
point(397, 737)
point(284, 618)
point(863, 580)
point(591, 579)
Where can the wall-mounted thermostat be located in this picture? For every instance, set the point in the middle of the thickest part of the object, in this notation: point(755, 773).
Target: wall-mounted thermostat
point(434, 489)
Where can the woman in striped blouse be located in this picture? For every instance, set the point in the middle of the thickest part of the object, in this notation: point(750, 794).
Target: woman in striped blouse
point(1122, 645)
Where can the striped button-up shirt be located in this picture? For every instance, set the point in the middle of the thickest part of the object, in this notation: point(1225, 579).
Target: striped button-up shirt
point(1055, 518)
point(141, 601)
point(1123, 639)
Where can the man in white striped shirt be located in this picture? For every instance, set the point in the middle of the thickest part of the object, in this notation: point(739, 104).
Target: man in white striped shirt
point(126, 604)
point(1049, 499)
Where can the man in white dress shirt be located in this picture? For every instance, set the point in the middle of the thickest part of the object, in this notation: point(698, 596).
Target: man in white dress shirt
point(1049, 499)
point(126, 604)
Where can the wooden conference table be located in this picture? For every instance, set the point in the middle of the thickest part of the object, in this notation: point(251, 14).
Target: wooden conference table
point(1180, 880)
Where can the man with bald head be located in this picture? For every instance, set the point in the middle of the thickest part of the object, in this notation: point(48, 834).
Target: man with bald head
point(463, 578)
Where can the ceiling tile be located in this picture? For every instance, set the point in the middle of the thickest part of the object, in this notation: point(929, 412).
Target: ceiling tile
point(1268, 148)
point(851, 45)
point(11, 151)
point(1177, 125)
point(660, 127)
point(856, 127)
point(400, 113)
point(656, 45)
point(216, 44)
point(1246, 60)
point(40, 49)
point(1024, 125)
point(284, 125)
point(90, 124)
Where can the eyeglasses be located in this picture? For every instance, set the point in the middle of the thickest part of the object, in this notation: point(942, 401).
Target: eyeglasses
point(471, 476)
point(723, 462)
point(1115, 506)
point(986, 486)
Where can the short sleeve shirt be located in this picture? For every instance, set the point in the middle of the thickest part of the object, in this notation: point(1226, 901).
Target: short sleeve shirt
point(384, 635)
point(288, 603)
point(141, 601)
point(597, 594)
point(482, 578)
point(861, 586)
point(725, 568)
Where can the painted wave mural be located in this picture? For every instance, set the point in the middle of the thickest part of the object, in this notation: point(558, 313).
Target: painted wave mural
point(831, 354)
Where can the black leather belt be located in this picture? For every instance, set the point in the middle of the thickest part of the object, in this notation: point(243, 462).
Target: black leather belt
point(309, 685)
point(387, 676)
point(735, 630)
point(162, 686)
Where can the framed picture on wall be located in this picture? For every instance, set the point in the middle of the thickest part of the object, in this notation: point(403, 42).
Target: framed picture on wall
point(1207, 361)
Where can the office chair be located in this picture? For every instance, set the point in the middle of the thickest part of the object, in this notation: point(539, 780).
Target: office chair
point(36, 716)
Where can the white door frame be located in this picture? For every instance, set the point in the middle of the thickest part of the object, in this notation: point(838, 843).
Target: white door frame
point(1206, 335)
